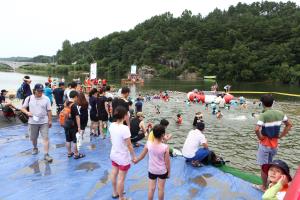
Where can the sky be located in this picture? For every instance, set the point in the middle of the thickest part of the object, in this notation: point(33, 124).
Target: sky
point(38, 27)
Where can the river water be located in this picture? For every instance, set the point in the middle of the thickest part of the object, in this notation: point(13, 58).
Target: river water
point(232, 137)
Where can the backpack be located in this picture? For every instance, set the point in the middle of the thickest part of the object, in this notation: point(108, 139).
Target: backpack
point(20, 92)
point(64, 115)
point(213, 159)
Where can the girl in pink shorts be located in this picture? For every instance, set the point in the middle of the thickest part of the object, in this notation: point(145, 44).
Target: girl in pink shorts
point(121, 150)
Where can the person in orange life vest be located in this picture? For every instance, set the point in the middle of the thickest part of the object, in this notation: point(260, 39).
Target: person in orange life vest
point(179, 119)
point(279, 176)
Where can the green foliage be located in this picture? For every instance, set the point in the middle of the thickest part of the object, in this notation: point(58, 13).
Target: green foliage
point(5, 68)
point(255, 42)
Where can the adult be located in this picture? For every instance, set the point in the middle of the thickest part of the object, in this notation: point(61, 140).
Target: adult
point(25, 87)
point(93, 112)
point(227, 88)
point(73, 86)
point(138, 105)
point(48, 92)
point(268, 132)
point(40, 119)
point(195, 147)
point(3, 100)
point(137, 128)
point(122, 101)
point(108, 92)
point(103, 112)
point(59, 97)
point(83, 107)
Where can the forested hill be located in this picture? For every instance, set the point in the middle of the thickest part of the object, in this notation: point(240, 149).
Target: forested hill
point(260, 41)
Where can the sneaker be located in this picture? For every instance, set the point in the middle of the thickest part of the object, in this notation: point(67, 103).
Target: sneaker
point(35, 151)
point(48, 158)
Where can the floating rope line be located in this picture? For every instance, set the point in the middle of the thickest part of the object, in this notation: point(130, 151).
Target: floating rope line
point(260, 92)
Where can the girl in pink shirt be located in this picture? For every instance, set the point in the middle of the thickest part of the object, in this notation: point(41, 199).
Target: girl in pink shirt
point(159, 162)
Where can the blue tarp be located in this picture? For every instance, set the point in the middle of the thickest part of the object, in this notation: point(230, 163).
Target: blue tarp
point(24, 176)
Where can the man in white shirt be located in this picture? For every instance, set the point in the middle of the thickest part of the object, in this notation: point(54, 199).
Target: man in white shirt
point(192, 150)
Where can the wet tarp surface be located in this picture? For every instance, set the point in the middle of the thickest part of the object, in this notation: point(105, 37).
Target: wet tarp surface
point(24, 176)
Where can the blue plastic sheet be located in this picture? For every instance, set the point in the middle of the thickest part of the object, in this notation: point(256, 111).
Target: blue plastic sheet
point(24, 176)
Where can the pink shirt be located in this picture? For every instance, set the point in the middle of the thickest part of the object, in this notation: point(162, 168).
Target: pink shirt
point(157, 163)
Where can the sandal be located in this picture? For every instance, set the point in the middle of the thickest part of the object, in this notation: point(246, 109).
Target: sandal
point(197, 164)
point(80, 155)
point(70, 155)
point(116, 196)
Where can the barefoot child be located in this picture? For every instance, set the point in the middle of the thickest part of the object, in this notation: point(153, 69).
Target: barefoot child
point(159, 162)
point(279, 177)
point(121, 150)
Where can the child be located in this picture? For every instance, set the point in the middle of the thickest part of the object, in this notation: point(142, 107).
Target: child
point(279, 177)
point(72, 126)
point(159, 162)
point(179, 119)
point(121, 150)
point(219, 114)
point(194, 140)
point(198, 118)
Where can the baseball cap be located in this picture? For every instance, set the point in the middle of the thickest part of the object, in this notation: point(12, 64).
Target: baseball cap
point(39, 87)
point(280, 164)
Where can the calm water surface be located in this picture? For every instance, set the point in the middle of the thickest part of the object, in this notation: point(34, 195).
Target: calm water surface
point(232, 137)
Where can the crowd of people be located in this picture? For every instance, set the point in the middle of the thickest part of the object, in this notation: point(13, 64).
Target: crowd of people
point(116, 117)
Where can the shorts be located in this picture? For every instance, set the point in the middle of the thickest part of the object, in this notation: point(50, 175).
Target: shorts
point(35, 129)
point(71, 134)
point(155, 176)
point(120, 167)
point(199, 155)
point(265, 154)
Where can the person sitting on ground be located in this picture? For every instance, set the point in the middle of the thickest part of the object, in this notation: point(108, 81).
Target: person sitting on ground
point(279, 176)
point(3, 101)
point(198, 118)
point(268, 132)
point(159, 166)
point(137, 129)
point(121, 150)
point(179, 119)
point(72, 126)
point(167, 136)
point(138, 105)
point(194, 140)
point(59, 97)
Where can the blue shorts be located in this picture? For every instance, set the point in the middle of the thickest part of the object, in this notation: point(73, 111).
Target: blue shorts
point(265, 154)
point(200, 155)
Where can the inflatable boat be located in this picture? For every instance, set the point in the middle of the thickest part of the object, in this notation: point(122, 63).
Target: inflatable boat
point(24, 176)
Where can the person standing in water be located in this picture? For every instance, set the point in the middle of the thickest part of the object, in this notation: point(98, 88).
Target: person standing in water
point(268, 132)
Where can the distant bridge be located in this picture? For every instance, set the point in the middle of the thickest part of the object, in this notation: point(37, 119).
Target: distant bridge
point(14, 65)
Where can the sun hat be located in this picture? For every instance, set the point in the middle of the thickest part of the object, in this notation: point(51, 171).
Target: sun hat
point(280, 164)
point(140, 114)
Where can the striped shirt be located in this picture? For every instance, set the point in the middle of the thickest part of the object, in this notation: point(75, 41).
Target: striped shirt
point(270, 121)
